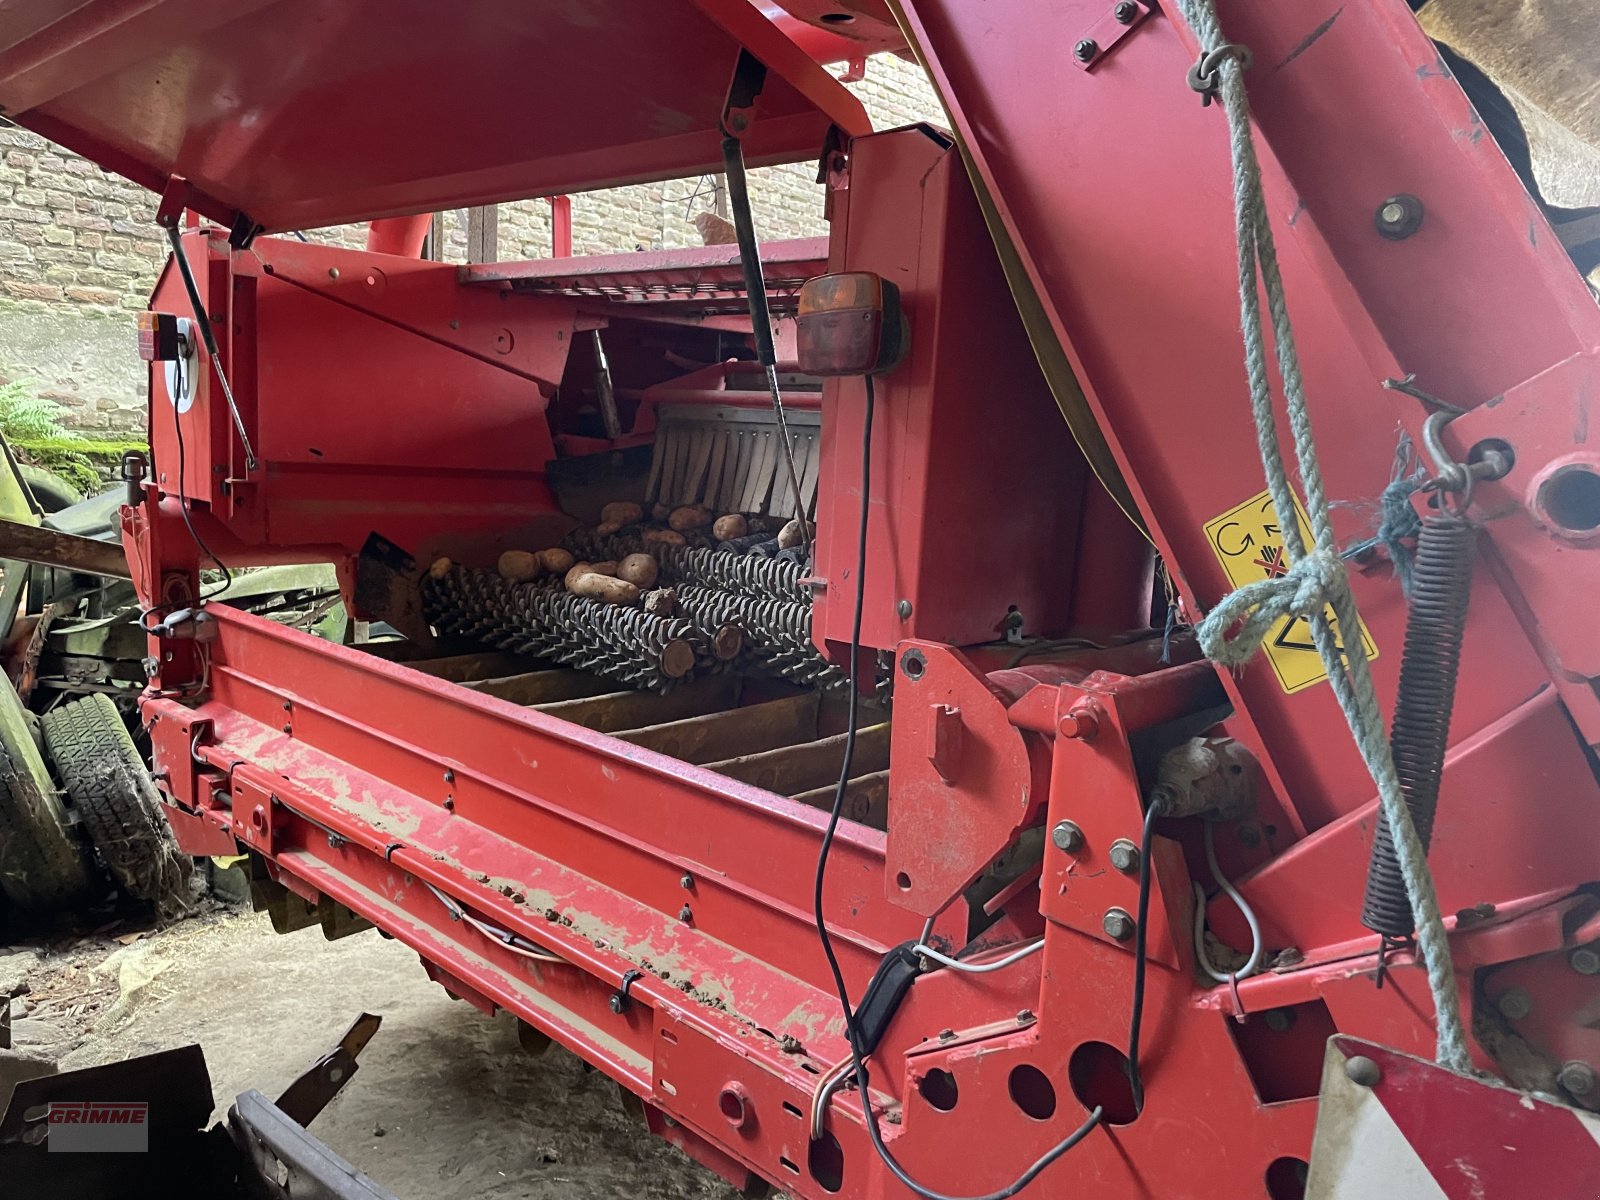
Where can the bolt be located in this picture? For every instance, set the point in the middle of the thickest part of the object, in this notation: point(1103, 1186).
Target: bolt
point(686, 882)
point(1117, 924)
point(1125, 12)
point(1514, 1004)
point(684, 914)
point(1279, 1020)
point(904, 609)
point(618, 1003)
point(1079, 721)
point(1585, 960)
point(1577, 1077)
point(288, 728)
point(333, 272)
point(1026, 1017)
point(947, 1035)
point(449, 804)
point(1399, 217)
point(1362, 1071)
point(1067, 836)
point(740, 122)
point(449, 776)
point(1249, 835)
point(287, 706)
point(334, 841)
point(1085, 50)
point(1124, 856)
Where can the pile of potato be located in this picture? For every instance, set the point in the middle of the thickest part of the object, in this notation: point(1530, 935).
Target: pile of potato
point(633, 578)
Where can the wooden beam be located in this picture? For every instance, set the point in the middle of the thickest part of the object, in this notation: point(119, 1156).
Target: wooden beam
point(464, 668)
point(795, 769)
point(630, 710)
point(483, 234)
point(543, 687)
point(866, 799)
point(66, 551)
point(748, 730)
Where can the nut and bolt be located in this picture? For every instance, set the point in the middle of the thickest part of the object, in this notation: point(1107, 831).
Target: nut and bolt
point(1362, 1071)
point(1117, 924)
point(1067, 836)
point(1577, 1078)
point(1514, 1005)
point(1398, 217)
point(618, 1003)
point(449, 776)
point(947, 1035)
point(1085, 50)
point(1026, 1017)
point(685, 913)
point(1585, 960)
point(1125, 12)
point(1124, 856)
point(686, 882)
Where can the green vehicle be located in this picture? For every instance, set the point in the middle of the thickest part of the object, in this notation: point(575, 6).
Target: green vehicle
point(79, 813)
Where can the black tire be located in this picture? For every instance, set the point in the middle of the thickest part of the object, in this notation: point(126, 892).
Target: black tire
point(51, 491)
point(116, 800)
point(42, 865)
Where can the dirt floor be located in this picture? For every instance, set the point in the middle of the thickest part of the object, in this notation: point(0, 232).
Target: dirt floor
point(445, 1103)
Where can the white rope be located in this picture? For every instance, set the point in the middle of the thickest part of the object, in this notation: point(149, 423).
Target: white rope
point(1316, 579)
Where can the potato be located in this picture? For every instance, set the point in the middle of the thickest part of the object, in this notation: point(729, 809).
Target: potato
point(441, 567)
point(795, 533)
point(605, 588)
point(607, 528)
point(556, 560)
point(690, 516)
point(621, 512)
point(664, 537)
point(725, 529)
point(639, 570)
point(660, 512)
point(609, 567)
point(576, 572)
point(518, 566)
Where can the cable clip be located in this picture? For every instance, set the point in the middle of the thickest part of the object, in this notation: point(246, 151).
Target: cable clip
point(620, 1001)
point(1203, 76)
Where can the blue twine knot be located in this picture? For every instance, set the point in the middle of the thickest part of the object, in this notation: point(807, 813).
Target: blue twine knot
point(1305, 588)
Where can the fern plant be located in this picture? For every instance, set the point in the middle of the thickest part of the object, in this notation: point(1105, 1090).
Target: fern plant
point(32, 424)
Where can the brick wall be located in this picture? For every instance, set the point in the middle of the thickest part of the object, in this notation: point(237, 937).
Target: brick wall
point(79, 251)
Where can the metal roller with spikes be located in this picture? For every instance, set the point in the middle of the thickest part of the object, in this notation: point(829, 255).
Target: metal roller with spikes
point(613, 640)
point(777, 633)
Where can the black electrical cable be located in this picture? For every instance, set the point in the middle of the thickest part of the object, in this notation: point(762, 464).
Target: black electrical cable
point(183, 508)
point(851, 1027)
point(1140, 933)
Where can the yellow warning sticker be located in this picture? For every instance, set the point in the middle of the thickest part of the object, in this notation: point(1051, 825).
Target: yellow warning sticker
point(1249, 542)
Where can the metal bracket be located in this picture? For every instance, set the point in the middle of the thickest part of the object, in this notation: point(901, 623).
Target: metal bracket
point(1119, 19)
point(308, 1095)
point(738, 110)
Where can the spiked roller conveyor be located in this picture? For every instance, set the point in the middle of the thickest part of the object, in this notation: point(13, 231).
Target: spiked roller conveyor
point(618, 642)
point(777, 632)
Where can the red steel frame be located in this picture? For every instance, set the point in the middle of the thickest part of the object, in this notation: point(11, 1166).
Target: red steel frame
point(370, 784)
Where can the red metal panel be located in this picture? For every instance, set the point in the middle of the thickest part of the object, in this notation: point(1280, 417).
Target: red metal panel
point(976, 480)
point(1138, 281)
point(261, 104)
